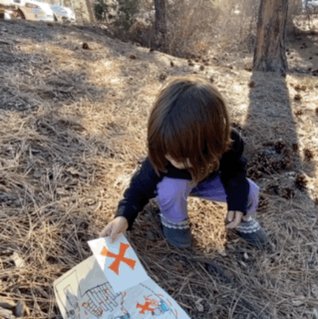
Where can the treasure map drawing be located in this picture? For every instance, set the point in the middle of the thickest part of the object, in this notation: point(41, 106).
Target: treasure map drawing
point(119, 262)
point(86, 292)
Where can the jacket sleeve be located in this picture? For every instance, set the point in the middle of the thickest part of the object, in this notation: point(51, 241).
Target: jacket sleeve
point(233, 174)
point(141, 189)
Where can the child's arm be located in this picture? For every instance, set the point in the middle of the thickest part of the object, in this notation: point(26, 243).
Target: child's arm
point(142, 187)
point(233, 175)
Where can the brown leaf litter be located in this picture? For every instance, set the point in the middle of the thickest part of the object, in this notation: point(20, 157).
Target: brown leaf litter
point(73, 125)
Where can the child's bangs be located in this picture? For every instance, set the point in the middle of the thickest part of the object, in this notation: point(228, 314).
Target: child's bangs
point(180, 147)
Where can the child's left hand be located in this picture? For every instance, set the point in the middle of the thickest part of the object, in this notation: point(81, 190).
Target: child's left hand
point(233, 218)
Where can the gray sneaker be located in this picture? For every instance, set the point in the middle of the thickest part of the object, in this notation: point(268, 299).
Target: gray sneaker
point(252, 232)
point(178, 235)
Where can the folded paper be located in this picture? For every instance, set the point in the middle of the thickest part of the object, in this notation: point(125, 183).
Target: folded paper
point(119, 262)
point(87, 292)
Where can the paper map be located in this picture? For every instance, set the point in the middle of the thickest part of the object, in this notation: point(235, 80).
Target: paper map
point(91, 289)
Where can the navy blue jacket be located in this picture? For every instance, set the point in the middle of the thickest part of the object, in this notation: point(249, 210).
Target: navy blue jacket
point(232, 171)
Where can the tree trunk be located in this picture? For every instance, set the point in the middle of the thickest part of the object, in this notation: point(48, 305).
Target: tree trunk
point(90, 10)
point(160, 24)
point(270, 51)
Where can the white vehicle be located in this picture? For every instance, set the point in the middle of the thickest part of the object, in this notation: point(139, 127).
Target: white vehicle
point(63, 14)
point(27, 9)
point(310, 5)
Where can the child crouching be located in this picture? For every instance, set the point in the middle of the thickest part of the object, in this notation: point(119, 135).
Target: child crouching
point(192, 151)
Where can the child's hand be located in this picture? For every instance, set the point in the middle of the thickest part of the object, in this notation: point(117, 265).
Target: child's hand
point(233, 218)
point(114, 228)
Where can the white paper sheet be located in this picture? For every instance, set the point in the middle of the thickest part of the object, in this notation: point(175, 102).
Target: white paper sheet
point(119, 262)
point(85, 291)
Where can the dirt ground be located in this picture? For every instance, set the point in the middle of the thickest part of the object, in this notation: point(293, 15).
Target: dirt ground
point(73, 112)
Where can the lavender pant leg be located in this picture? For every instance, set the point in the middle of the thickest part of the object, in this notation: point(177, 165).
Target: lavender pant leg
point(212, 189)
point(173, 193)
point(172, 198)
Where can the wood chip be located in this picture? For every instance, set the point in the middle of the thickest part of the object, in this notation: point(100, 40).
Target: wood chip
point(17, 259)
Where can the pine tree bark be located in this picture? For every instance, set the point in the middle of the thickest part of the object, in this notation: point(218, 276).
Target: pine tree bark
point(270, 50)
point(90, 11)
point(160, 25)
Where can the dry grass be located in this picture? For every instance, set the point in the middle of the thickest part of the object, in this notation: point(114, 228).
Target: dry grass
point(73, 125)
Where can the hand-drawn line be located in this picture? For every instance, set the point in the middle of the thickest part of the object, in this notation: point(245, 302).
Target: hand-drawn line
point(161, 305)
point(71, 304)
point(72, 307)
point(100, 299)
point(120, 257)
point(96, 300)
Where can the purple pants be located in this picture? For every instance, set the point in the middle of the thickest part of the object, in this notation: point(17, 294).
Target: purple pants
point(173, 193)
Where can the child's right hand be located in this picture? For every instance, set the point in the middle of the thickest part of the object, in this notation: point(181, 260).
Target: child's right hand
point(114, 228)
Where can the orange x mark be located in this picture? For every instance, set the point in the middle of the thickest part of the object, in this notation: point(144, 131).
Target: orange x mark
point(145, 307)
point(120, 257)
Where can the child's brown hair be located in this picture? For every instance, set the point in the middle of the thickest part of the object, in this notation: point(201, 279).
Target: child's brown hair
point(190, 123)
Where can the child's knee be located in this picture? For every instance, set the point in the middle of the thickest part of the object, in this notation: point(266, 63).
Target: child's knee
point(172, 190)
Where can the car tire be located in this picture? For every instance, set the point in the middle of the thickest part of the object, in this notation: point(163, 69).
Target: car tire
point(19, 15)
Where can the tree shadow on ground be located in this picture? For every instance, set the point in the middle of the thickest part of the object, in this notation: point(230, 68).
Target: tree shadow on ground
point(287, 210)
